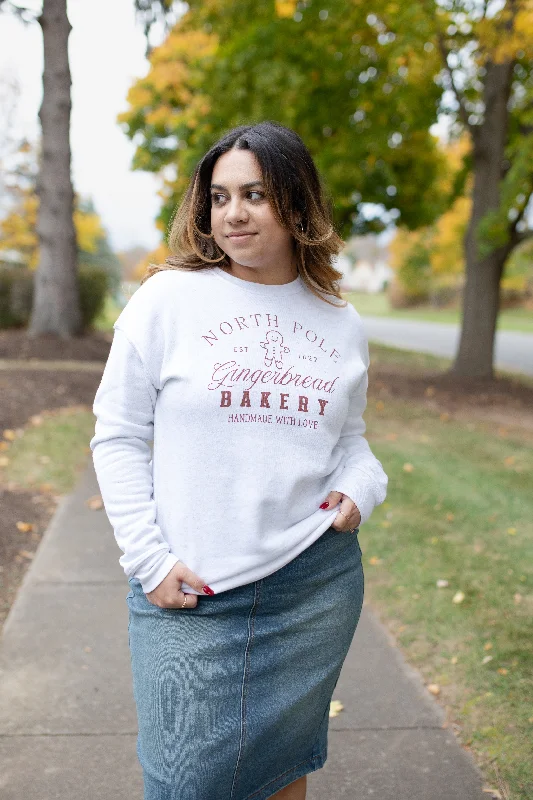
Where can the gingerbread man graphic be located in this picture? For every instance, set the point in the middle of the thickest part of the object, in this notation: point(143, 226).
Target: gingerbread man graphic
point(274, 349)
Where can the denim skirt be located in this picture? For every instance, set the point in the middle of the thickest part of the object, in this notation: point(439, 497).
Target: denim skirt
point(233, 696)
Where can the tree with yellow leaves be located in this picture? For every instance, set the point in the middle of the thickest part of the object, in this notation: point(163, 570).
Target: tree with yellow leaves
point(18, 227)
point(362, 87)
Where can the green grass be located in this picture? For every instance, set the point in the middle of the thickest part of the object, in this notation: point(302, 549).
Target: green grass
point(464, 514)
point(382, 354)
point(54, 452)
point(513, 319)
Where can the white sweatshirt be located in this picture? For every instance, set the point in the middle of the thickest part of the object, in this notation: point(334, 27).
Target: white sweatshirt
point(253, 395)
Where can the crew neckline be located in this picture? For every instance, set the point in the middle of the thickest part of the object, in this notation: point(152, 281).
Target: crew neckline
point(266, 289)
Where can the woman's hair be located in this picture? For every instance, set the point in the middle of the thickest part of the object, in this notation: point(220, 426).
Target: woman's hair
point(294, 189)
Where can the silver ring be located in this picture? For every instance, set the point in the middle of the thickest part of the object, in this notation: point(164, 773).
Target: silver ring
point(184, 602)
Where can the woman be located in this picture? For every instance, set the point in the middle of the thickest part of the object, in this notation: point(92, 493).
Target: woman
point(240, 360)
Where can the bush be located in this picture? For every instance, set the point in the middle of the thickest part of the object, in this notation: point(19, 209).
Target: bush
point(442, 296)
point(16, 295)
point(94, 285)
point(399, 297)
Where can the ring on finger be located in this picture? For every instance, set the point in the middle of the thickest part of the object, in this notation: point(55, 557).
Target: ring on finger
point(184, 602)
point(344, 515)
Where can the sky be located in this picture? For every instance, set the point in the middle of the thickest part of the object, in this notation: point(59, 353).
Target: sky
point(106, 54)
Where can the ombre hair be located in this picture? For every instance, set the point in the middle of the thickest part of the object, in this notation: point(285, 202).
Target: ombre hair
point(294, 189)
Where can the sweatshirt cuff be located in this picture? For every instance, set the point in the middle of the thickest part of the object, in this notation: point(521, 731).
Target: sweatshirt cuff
point(360, 495)
point(150, 581)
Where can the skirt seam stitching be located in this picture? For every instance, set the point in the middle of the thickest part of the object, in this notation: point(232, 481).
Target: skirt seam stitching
point(251, 618)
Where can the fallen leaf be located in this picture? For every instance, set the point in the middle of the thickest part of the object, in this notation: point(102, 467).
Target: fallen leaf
point(95, 502)
point(442, 583)
point(486, 659)
point(374, 560)
point(518, 598)
point(454, 659)
point(458, 597)
point(444, 417)
point(434, 540)
point(4, 461)
point(503, 671)
point(450, 517)
point(511, 531)
point(391, 437)
point(430, 391)
point(380, 405)
point(434, 688)
point(509, 460)
point(408, 467)
point(4, 445)
point(9, 434)
point(36, 419)
point(26, 554)
point(25, 526)
point(487, 646)
point(494, 792)
point(335, 707)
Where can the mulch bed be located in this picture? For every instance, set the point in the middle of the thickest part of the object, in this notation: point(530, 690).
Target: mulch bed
point(15, 343)
point(25, 392)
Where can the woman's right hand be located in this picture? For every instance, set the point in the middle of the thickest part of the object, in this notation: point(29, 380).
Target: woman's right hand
point(168, 593)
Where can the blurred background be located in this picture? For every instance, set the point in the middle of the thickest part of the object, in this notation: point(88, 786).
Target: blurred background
point(420, 119)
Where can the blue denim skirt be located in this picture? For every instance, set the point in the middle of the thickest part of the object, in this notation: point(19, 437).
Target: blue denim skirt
point(233, 696)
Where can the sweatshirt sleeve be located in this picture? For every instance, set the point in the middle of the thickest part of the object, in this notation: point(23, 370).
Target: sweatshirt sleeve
point(124, 410)
point(363, 478)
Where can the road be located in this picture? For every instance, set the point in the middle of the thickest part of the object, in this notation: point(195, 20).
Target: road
point(513, 351)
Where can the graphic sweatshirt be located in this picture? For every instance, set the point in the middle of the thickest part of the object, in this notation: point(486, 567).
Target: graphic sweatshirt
point(226, 413)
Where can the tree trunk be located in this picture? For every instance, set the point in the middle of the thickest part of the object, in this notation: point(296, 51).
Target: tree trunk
point(56, 304)
point(481, 299)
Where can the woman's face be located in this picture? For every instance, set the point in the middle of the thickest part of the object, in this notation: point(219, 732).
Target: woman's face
point(239, 205)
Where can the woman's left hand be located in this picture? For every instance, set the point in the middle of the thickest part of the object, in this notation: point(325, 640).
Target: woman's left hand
point(348, 517)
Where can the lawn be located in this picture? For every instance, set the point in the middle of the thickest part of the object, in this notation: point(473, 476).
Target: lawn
point(460, 509)
point(514, 319)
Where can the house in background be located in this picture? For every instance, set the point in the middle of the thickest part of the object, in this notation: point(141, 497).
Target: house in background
point(364, 263)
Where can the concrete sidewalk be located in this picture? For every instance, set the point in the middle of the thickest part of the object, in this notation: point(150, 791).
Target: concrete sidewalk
point(67, 716)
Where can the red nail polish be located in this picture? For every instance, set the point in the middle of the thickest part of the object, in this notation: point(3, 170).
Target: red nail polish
point(207, 589)
point(325, 505)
